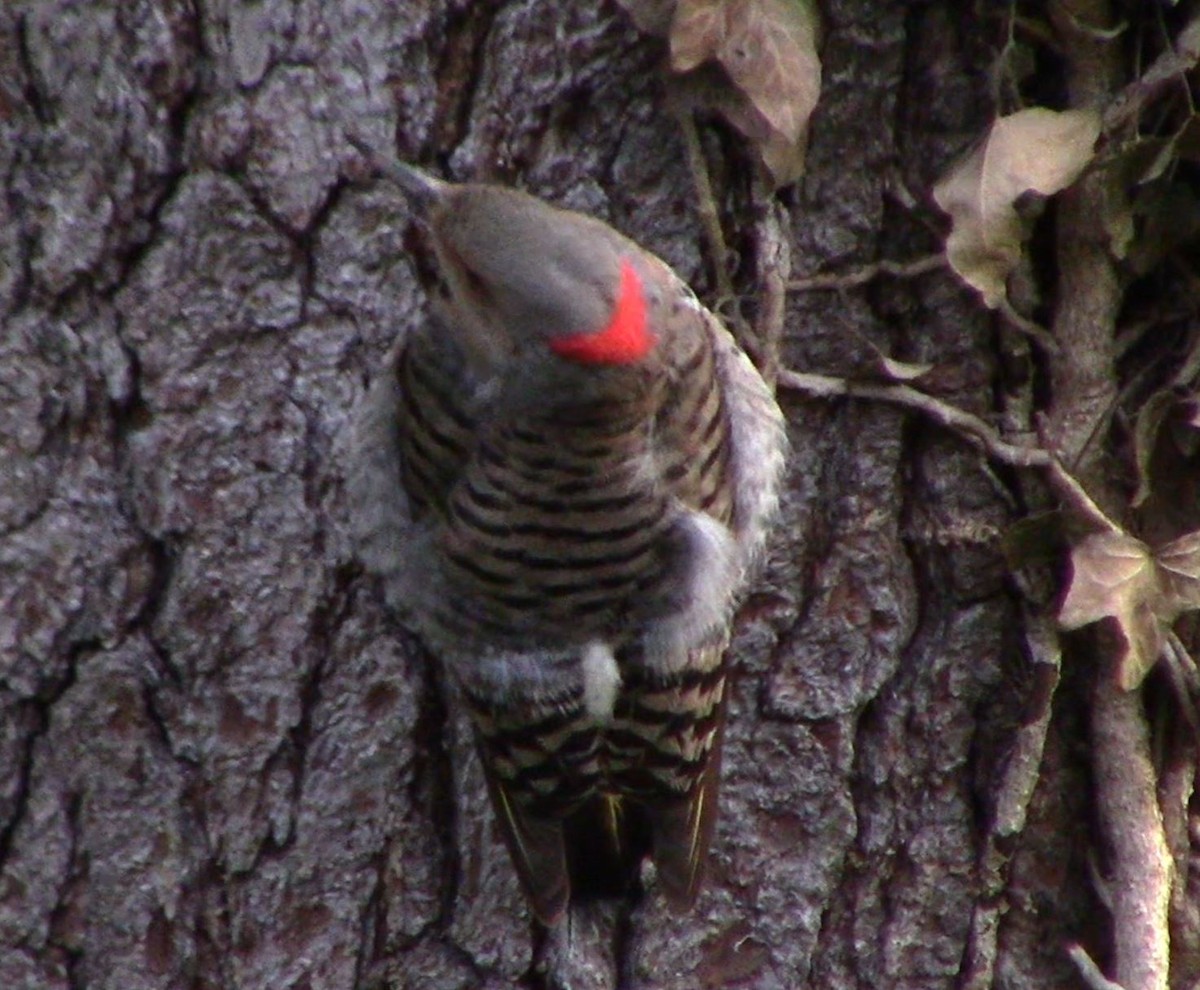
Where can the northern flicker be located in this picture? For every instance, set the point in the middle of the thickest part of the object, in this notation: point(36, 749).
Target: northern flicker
point(563, 477)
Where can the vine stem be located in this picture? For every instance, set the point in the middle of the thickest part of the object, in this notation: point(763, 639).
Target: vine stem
point(971, 427)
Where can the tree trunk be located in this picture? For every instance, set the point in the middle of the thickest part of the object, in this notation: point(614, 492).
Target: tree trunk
point(224, 765)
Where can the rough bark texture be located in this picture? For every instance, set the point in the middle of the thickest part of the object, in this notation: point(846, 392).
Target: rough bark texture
point(222, 765)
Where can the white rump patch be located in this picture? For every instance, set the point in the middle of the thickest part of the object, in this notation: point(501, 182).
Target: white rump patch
point(600, 680)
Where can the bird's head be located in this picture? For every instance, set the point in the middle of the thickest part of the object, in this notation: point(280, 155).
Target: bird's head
point(545, 278)
point(525, 278)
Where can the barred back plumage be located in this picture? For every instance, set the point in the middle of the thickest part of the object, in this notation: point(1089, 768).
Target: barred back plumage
point(573, 532)
point(557, 531)
point(435, 429)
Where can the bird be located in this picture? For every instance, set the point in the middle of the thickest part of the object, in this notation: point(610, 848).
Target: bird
point(564, 477)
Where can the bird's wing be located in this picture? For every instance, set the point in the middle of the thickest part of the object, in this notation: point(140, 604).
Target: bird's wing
point(535, 846)
point(439, 405)
point(720, 448)
point(691, 428)
point(757, 441)
point(663, 748)
point(380, 512)
point(663, 752)
point(719, 435)
point(411, 437)
point(540, 767)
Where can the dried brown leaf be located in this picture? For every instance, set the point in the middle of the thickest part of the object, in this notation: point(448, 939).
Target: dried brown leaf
point(1114, 576)
point(1117, 577)
point(1142, 163)
point(1035, 150)
point(1111, 574)
point(1143, 159)
point(697, 31)
point(782, 157)
point(768, 49)
point(1179, 563)
point(771, 56)
point(1143, 639)
point(650, 16)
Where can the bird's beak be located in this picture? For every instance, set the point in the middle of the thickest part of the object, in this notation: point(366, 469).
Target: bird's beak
point(420, 189)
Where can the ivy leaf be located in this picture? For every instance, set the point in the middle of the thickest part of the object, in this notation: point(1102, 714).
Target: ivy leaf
point(1147, 426)
point(1033, 540)
point(1179, 563)
point(650, 16)
point(1111, 573)
point(768, 49)
point(697, 32)
point(1169, 216)
point(1114, 576)
point(1032, 151)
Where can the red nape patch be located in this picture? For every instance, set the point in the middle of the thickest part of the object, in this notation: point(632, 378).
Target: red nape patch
point(625, 340)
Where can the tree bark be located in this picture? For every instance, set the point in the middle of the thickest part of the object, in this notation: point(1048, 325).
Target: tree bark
point(224, 765)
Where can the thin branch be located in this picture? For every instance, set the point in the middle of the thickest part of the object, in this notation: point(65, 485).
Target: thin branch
point(963, 423)
point(770, 326)
point(860, 276)
point(1031, 328)
point(1083, 379)
point(1177, 778)
point(966, 425)
point(1167, 70)
point(1088, 969)
point(706, 206)
point(1100, 883)
point(1140, 863)
point(774, 263)
point(912, 269)
point(1022, 770)
point(1180, 668)
point(1183, 661)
